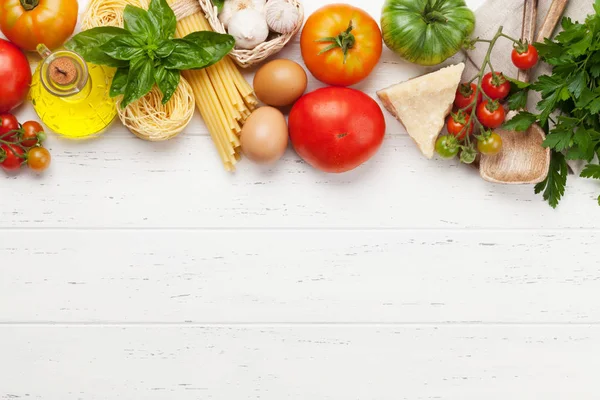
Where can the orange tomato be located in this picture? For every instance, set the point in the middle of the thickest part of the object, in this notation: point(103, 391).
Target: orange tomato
point(340, 44)
point(28, 23)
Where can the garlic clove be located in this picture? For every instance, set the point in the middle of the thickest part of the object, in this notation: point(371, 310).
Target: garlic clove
point(249, 28)
point(282, 17)
point(231, 7)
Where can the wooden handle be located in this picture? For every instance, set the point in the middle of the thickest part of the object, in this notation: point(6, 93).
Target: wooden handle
point(554, 13)
point(528, 31)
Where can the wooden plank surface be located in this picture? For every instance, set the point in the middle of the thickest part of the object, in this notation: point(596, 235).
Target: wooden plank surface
point(300, 362)
point(137, 270)
point(283, 276)
point(125, 182)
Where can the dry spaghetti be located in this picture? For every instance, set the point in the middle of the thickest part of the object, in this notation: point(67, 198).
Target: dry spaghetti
point(222, 95)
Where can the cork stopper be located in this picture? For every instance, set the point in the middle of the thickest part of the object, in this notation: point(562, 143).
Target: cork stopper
point(62, 71)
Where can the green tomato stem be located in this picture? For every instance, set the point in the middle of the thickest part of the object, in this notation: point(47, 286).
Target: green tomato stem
point(479, 77)
point(435, 16)
point(29, 5)
point(510, 38)
point(345, 40)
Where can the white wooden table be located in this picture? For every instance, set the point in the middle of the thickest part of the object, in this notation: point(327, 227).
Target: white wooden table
point(138, 270)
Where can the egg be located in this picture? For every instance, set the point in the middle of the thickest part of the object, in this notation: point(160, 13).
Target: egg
point(280, 83)
point(264, 136)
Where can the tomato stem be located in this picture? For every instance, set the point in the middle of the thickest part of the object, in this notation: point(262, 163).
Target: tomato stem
point(435, 16)
point(29, 4)
point(510, 38)
point(345, 40)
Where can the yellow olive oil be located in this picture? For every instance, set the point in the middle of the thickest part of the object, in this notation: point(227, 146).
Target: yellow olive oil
point(70, 96)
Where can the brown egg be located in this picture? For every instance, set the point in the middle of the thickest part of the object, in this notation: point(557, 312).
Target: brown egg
point(280, 83)
point(264, 136)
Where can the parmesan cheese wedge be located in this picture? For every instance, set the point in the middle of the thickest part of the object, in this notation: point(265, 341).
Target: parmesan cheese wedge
point(422, 104)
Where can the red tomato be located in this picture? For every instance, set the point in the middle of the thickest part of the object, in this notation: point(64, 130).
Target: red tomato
point(495, 86)
point(15, 76)
point(465, 94)
point(491, 115)
point(31, 129)
point(340, 44)
point(456, 125)
point(11, 157)
point(8, 122)
point(524, 58)
point(336, 129)
point(28, 23)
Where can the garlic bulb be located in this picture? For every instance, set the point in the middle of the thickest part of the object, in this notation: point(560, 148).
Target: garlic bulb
point(282, 16)
point(249, 28)
point(230, 7)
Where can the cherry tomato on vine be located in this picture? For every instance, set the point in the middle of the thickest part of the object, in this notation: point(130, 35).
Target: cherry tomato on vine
point(447, 146)
point(38, 158)
point(490, 145)
point(495, 85)
point(465, 94)
point(524, 56)
point(11, 156)
point(8, 122)
point(29, 137)
point(457, 125)
point(491, 115)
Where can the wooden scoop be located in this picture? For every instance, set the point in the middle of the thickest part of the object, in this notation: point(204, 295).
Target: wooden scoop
point(523, 160)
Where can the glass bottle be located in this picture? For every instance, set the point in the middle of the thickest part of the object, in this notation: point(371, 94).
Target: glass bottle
point(70, 96)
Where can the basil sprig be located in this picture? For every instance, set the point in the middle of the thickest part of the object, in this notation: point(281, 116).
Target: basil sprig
point(145, 52)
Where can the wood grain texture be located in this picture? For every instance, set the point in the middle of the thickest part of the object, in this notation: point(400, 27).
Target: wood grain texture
point(288, 276)
point(126, 182)
point(136, 270)
point(299, 363)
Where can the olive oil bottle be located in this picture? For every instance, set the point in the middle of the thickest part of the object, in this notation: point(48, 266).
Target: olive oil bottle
point(70, 96)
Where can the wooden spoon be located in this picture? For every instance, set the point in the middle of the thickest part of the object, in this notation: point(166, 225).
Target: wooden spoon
point(523, 160)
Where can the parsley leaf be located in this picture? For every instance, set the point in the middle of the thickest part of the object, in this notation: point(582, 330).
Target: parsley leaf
point(572, 93)
point(520, 122)
point(591, 171)
point(554, 184)
point(517, 100)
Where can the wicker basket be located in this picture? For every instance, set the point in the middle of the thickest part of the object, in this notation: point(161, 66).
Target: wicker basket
point(247, 58)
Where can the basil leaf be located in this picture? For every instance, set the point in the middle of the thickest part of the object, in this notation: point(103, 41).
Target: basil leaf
point(139, 81)
point(167, 81)
point(119, 82)
point(216, 44)
point(186, 55)
point(87, 44)
point(124, 47)
point(165, 48)
point(219, 4)
point(138, 23)
point(163, 17)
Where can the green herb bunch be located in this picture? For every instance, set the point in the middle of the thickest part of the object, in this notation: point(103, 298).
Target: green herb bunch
point(570, 106)
point(145, 52)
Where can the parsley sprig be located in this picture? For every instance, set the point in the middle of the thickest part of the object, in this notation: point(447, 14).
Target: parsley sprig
point(570, 106)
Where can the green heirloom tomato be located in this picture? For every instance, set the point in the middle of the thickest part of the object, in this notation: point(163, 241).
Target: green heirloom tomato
point(426, 32)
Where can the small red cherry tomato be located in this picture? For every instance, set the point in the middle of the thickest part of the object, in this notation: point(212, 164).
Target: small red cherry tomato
point(491, 115)
point(465, 94)
point(524, 57)
point(457, 125)
point(495, 85)
point(8, 122)
point(11, 157)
